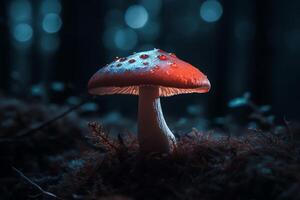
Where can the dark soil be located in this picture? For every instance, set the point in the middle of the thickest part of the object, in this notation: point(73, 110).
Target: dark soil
point(65, 160)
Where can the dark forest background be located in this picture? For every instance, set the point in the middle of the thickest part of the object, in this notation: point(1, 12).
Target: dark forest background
point(50, 48)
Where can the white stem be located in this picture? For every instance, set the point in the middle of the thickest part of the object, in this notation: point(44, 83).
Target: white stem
point(154, 134)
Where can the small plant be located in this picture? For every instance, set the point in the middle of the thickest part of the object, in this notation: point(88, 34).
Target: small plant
point(100, 139)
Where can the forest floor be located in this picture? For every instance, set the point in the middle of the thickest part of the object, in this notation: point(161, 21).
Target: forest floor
point(73, 159)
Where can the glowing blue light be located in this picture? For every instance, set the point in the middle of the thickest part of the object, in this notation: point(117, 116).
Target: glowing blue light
point(237, 102)
point(57, 86)
point(136, 16)
point(23, 32)
point(89, 107)
point(50, 6)
point(76, 164)
point(240, 101)
point(125, 39)
point(73, 100)
point(36, 90)
point(112, 117)
point(211, 11)
point(195, 109)
point(20, 10)
point(52, 23)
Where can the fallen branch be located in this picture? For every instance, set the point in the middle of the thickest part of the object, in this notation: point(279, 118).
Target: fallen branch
point(36, 185)
point(47, 123)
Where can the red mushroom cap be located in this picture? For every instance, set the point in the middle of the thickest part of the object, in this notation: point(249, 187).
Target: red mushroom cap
point(156, 67)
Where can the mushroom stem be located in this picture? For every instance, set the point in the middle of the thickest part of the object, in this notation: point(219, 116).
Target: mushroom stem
point(154, 134)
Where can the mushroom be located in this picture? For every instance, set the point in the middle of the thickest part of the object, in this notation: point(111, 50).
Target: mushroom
point(150, 75)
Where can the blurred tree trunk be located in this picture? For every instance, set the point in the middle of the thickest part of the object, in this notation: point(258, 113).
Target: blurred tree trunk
point(261, 72)
point(221, 48)
point(4, 48)
point(87, 18)
point(240, 58)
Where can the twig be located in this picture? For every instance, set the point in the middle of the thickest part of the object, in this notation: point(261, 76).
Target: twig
point(97, 131)
point(36, 185)
point(47, 123)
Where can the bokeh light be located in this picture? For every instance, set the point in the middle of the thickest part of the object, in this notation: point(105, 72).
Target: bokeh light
point(125, 39)
point(136, 16)
point(52, 23)
point(73, 100)
point(211, 11)
point(57, 86)
point(89, 107)
point(37, 90)
point(23, 32)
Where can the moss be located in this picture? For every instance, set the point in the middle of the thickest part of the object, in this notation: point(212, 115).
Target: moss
point(254, 165)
